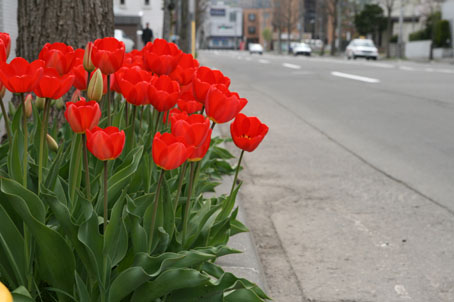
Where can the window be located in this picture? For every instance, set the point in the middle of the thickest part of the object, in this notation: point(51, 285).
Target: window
point(251, 17)
point(147, 2)
point(251, 29)
point(122, 2)
point(233, 17)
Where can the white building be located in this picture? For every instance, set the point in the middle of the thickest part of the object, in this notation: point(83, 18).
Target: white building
point(132, 15)
point(447, 11)
point(8, 23)
point(223, 26)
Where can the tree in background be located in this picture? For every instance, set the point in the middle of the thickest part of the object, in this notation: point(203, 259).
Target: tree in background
point(389, 6)
point(370, 21)
point(72, 22)
point(267, 35)
point(278, 21)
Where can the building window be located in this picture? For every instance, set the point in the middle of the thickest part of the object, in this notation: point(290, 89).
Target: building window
point(147, 2)
point(233, 17)
point(122, 2)
point(251, 17)
point(251, 29)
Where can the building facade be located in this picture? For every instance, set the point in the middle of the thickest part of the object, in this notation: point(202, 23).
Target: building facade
point(223, 27)
point(132, 15)
point(255, 22)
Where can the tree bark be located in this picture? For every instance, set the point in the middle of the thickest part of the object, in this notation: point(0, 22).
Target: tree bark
point(184, 42)
point(72, 22)
point(166, 21)
point(388, 33)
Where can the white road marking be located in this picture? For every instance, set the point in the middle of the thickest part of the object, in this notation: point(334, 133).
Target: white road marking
point(264, 61)
point(293, 66)
point(248, 59)
point(354, 77)
point(406, 68)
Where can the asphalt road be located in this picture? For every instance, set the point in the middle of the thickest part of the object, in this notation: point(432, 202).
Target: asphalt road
point(350, 198)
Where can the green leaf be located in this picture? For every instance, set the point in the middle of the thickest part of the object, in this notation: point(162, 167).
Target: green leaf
point(82, 290)
point(21, 294)
point(12, 247)
point(55, 256)
point(15, 156)
point(126, 282)
point(167, 282)
point(116, 237)
point(75, 170)
point(121, 178)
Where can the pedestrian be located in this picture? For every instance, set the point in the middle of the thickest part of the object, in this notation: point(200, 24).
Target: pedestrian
point(147, 34)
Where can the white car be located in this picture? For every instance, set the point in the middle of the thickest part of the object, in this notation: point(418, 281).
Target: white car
point(361, 48)
point(255, 48)
point(301, 49)
point(120, 35)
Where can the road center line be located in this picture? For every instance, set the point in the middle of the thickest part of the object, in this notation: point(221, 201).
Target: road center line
point(293, 66)
point(354, 77)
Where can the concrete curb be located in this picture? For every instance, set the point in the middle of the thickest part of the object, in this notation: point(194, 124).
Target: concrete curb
point(247, 264)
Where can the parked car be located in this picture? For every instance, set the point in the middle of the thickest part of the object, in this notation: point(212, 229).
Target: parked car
point(255, 48)
point(301, 49)
point(361, 48)
point(120, 35)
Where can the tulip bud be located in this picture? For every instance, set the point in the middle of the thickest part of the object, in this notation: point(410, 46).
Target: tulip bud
point(11, 108)
point(28, 105)
point(39, 102)
point(53, 146)
point(88, 64)
point(95, 87)
point(76, 96)
point(59, 104)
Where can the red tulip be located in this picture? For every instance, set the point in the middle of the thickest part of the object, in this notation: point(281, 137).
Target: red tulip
point(52, 85)
point(6, 40)
point(134, 58)
point(134, 84)
point(163, 93)
point(160, 56)
point(86, 58)
point(169, 151)
point(3, 56)
point(59, 56)
point(20, 76)
point(175, 114)
point(187, 103)
point(108, 54)
point(222, 105)
point(80, 77)
point(247, 132)
point(82, 115)
point(184, 71)
point(105, 144)
point(195, 129)
point(203, 79)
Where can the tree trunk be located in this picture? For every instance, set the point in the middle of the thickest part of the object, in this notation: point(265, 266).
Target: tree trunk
point(72, 22)
point(280, 40)
point(289, 32)
point(184, 27)
point(166, 21)
point(388, 34)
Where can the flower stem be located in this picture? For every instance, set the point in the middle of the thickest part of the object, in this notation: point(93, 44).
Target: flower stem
point(188, 204)
point(41, 142)
point(133, 122)
point(87, 171)
point(5, 117)
point(105, 196)
point(180, 184)
point(155, 210)
point(109, 120)
point(212, 125)
point(25, 129)
point(127, 113)
point(236, 173)
point(142, 113)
